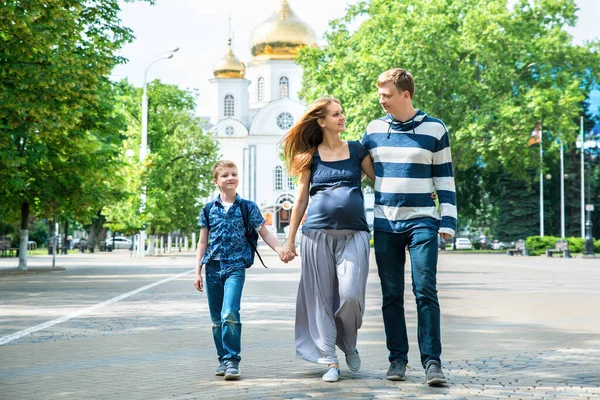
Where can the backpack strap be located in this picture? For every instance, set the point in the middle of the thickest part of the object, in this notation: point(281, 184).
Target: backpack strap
point(206, 211)
point(245, 212)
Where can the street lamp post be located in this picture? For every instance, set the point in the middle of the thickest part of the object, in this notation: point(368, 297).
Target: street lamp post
point(590, 145)
point(588, 247)
point(144, 144)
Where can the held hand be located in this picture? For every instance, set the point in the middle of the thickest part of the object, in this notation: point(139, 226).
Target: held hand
point(279, 252)
point(198, 283)
point(289, 252)
point(445, 236)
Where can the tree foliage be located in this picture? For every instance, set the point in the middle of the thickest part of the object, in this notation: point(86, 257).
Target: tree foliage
point(177, 173)
point(489, 72)
point(58, 130)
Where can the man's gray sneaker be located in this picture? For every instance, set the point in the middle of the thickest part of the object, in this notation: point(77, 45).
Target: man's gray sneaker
point(220, 371)
point(434, 374)
point(397, 371)
point(353, 361)
point(232, 371)
point(332, 375)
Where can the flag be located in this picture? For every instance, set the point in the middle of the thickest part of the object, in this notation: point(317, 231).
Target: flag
point(536, 135)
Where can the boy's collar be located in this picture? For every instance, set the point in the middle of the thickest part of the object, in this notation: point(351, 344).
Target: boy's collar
point(238, 199)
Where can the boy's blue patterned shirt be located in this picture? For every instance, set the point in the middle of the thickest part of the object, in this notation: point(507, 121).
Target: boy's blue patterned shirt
point(226, 237)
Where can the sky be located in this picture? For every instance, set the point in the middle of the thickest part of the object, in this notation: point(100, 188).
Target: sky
point(200, 28)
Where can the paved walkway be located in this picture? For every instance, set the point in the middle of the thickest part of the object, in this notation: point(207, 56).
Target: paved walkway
point(112, 327)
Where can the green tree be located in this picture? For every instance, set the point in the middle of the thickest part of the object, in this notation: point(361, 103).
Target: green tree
point(489, 72)
point(177, 173)
point(55, 59)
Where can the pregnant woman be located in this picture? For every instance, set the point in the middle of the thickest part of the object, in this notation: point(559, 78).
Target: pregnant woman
point(335, 237)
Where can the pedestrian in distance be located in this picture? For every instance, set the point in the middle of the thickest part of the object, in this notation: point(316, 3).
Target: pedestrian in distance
point(411, 153)
point(225, 249)
point(335, 236)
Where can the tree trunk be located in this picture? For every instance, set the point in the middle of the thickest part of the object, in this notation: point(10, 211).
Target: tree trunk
point(24, 236)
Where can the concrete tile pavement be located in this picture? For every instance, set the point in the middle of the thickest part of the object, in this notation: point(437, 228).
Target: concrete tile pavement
point(512, 328)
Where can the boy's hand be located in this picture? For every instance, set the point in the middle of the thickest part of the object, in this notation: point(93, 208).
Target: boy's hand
point(279, 251)
point(433, 196)
point(198, 283)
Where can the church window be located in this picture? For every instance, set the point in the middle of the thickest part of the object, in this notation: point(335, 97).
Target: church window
point(278, 175)
point(285, 120)
point(291, 185)
point(260, 89)
point(284, 87)
point(229, 131)
point(229, 106)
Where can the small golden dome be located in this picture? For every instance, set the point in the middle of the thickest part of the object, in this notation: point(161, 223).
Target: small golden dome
point(229, 66)
point(281, 36)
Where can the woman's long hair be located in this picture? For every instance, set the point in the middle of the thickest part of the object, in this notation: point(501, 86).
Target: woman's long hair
point(300, 143)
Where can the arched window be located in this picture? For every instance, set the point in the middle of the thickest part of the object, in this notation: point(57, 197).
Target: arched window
point(291, 185)
point(229, 106)
point(284, 87)
point(278, 177)
point(260, 89)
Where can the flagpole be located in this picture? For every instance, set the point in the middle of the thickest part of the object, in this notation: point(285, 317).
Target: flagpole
point(562, 191)
point(541, 180)
point(582, 180)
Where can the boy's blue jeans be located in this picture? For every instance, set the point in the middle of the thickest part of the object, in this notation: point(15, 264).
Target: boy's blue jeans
point(224, 291)
point(391, 257)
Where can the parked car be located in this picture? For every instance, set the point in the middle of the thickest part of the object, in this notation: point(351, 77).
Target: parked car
point(120, 242)
point(498, 245)
point(463, 244)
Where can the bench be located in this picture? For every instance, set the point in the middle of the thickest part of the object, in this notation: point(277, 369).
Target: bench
point(560, 247)
point(519, 249)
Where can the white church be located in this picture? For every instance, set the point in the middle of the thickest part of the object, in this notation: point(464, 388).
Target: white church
point(257, 104)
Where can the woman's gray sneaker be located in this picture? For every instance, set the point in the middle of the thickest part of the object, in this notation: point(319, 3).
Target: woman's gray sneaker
point(220, 371)
point(332, 375)
point(396, 371)
point(434, 374)
point(353, 361)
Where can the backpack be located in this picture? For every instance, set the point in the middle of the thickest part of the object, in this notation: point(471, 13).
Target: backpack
point(250, 234)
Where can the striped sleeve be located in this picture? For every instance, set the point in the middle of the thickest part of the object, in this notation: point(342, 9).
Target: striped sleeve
point(443, 182)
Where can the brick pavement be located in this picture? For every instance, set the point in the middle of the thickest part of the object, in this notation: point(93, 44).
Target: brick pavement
point(512, 328)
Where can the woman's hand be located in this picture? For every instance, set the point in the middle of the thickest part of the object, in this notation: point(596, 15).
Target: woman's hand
point(288, 253)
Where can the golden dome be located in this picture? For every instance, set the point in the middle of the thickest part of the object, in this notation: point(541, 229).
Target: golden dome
point(281, 36)
point(229, 66)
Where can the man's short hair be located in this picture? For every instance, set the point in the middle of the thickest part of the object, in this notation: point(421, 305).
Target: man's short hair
point(222, 164)
point(401, 78)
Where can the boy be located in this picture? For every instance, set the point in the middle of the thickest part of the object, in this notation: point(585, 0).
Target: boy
point(228, 256)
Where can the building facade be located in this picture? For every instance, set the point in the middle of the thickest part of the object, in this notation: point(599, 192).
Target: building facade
point(258, 104)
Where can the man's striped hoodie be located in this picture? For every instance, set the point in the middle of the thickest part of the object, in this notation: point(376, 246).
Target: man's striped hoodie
point(412, 159)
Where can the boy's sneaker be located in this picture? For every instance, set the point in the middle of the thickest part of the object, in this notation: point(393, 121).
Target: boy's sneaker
point(332, 375)
point(353, 361)
point(396, 371)
point(220, 371)
point(434, 374)
point(232, 371)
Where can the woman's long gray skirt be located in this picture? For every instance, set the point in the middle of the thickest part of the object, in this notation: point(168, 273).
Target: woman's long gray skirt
point(331, 295)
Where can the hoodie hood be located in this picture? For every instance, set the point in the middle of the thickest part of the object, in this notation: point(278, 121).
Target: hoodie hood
point(406, 126)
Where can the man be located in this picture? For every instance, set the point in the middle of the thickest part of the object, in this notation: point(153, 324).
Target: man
point(411, 153)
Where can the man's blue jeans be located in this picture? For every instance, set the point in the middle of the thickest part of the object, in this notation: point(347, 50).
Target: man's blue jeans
point(391, 257)
point(224, 292)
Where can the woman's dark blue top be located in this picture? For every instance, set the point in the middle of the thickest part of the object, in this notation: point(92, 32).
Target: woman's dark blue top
point(336, 198)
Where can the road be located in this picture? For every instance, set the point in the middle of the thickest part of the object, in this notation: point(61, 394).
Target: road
point(112, 327)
